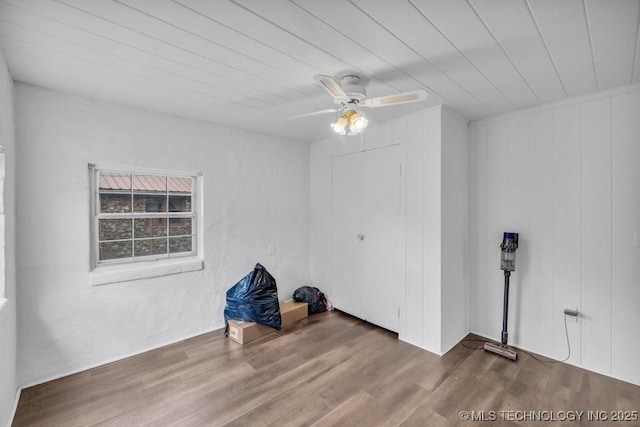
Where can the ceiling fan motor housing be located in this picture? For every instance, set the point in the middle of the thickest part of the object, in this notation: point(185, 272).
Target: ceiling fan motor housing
point(351, 85)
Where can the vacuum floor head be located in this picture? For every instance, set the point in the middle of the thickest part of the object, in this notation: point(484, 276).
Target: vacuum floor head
point(501, 350)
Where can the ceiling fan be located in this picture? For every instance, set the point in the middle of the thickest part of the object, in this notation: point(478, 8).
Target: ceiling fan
point(349, 94)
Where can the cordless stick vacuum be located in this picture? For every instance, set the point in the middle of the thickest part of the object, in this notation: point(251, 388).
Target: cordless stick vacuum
point(507, 264)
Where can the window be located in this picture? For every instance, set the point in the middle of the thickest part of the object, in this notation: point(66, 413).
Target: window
point(142, 215)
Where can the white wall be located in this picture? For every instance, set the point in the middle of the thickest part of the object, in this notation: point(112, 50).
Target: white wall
point(455, 229)
point(437, 229)
point(429, 194)
point(566, 177)
point(256, 193)
point(422, 311)
point(8, 385)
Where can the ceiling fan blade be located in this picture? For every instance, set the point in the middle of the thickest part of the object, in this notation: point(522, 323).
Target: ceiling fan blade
point(397, 99)
point(315, 113)
point(332, 87)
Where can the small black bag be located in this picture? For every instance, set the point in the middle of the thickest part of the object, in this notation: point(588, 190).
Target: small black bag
point(312, 296)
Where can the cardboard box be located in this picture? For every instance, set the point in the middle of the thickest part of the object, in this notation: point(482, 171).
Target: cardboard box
point(243, 332)
point(292, 311)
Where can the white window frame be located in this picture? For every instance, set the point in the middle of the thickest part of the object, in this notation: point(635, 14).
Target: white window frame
point(116, 270)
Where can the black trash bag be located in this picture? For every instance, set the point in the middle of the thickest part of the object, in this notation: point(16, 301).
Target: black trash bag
point(312, 296)
point(254, 299)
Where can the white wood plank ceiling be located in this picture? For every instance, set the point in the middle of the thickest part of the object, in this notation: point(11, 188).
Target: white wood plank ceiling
point(249, 63)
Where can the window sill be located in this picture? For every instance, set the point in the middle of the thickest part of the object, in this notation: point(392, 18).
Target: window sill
point(144, 270)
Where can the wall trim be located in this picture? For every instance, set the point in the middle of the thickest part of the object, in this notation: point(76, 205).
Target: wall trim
point(115, 359)
point(12, 414)
point(620, 90)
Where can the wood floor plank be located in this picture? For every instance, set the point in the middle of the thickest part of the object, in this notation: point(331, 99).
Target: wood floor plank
point(361, 409)
point(399, 400)
point(424, 415)
point(330, 369)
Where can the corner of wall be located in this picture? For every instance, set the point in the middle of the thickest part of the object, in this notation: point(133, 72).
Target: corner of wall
point(8, 331)
point(455, 228)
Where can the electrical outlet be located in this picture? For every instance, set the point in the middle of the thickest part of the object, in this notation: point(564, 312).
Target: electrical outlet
point(271, 249)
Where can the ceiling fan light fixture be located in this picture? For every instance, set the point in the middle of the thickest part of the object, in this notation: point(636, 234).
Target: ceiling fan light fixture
point(358, 122)
point(340, 126)
point(352, 122)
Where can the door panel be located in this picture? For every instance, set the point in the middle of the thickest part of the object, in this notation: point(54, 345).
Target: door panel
point(382, 256)
point(345, 245)
point(366, 271)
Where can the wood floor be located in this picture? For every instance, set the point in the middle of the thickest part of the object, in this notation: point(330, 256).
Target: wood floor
point(330, 369)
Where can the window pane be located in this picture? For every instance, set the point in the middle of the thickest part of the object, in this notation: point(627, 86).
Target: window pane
point(150, 227)
point(149, 203)
point(180, 227)
point(115, 229)
point(179, 244)
point(179, 203)
point(150, 247)
point(115, 203)
point(114, 180)
point(143, 214)
point(150, 183)
point(115, 250)
point(179, 185)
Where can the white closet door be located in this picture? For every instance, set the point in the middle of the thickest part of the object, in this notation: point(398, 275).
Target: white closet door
point(382, 256)
point(366, 256)
point(345, 228)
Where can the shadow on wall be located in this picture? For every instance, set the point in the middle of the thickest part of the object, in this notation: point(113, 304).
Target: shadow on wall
point(53, 309)
point(520, 274)
point(34, 366)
